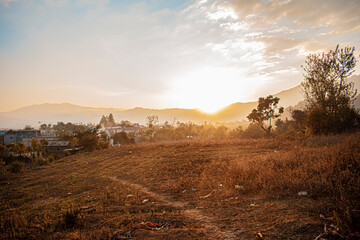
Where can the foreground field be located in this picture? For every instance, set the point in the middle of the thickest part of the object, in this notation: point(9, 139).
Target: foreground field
point(241, 189)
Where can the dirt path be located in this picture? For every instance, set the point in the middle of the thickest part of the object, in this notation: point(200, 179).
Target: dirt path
point(191, 213)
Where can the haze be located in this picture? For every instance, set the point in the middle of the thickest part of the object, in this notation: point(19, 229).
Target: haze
point(162, 54)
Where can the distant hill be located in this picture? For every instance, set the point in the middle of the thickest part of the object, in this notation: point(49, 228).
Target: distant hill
point(35, 115)
point(52, 113)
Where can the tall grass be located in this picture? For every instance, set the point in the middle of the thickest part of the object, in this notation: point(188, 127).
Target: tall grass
point(330, 171)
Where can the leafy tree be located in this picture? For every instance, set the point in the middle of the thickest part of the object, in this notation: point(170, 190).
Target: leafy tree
point(126, 123)
point(36, 145)
point(107, 121)
point(328, 94)
point(69, 130)
point(20, 148)
point(152, 120)
point(73, 141)
point(44, 142)
point(89, 139)
point(266, 111)
point(11, 147)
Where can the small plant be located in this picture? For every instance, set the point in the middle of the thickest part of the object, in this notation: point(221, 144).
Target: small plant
point(51, 157)
point(71, 218)
point(16, 166)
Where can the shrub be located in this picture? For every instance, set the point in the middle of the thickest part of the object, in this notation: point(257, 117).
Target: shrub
point(89, 140)
point(71, 218)
point(253, 131)
point(51, 157)
point(123, 138)
point(16, 166)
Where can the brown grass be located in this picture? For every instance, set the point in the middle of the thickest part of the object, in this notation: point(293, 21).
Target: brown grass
point(260, 180)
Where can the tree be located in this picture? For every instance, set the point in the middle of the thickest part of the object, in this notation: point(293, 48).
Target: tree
point(20, 148)
point(2, 151)
point(266, 111)
point(36, 145)
point(328, 95)
point(89, 139)
point(103, 121)
point(11, 147)
point(126, 123)
point(44, 142)
point(111, 120)
point(73, 141)
point(152, 120)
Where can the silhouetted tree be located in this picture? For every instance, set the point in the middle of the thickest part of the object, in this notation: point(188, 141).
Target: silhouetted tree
point(266, 111)
point(328, 94)
point(111, 120)
point(103, 121)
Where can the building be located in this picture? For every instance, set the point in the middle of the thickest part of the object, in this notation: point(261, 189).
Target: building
point(2, 134)
point(56, 146)
point(133, 130)
point(24, 136)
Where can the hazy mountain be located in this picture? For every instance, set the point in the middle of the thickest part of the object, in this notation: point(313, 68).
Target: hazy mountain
point(35, 115)
point(52, 113)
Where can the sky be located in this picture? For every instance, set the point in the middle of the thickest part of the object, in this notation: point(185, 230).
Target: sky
point(202, 54)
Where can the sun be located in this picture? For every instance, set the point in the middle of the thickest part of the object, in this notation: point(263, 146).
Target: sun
point(209, 89)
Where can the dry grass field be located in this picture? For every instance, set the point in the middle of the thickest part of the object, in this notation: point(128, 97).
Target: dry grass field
point(243, 189)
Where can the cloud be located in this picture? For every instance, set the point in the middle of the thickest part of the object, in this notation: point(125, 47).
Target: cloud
point(340, 15)
point(303, 20)
point(131, 54)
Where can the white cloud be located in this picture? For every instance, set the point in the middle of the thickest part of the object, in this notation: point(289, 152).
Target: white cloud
point(133, 55)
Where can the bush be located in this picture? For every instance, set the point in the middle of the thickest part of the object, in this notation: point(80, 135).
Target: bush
point(71, 218)
point(253, 131)
point(123, 138)
point(89, 140)
point(319, 121)
point(16, 166)
point(51, 157)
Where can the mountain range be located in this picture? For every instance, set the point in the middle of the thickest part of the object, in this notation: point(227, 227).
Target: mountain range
point(35, 115)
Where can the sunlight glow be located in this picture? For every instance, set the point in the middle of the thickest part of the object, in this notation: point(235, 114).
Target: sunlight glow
point(211, 89)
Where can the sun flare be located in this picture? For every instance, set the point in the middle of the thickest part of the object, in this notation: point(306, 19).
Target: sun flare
point(210, 89)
